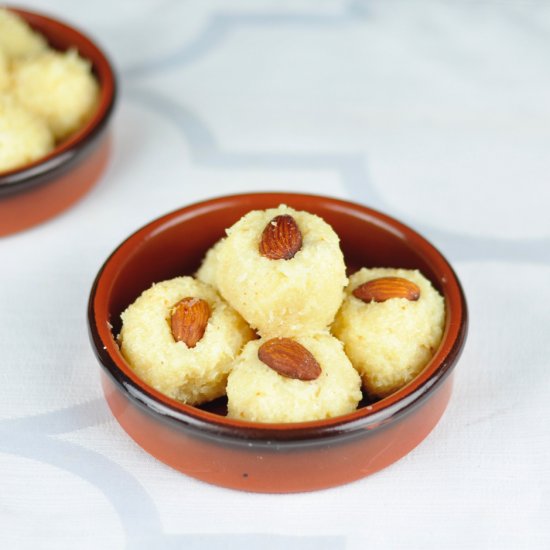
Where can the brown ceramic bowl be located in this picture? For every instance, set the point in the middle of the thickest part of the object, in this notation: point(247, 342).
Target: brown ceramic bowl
point(36, 192)
point(270, 457)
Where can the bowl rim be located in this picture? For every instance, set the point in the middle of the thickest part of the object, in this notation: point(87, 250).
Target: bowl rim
point(33, 173)
point(206, 423)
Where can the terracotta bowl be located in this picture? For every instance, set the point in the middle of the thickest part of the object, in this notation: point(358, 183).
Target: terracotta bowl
point(36, 192)
point(276, 458)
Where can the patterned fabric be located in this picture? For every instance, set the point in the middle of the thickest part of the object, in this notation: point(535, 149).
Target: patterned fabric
point(437, 113)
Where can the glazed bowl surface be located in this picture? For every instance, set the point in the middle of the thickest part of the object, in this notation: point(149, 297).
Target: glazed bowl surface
point(40, 190)
point(205, 444)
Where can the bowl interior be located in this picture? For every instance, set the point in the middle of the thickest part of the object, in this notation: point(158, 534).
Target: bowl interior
point(175, 244)
point(62, 37)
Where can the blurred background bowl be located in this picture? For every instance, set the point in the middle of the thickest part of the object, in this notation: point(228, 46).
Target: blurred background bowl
point(271, 457)
point(38, 191)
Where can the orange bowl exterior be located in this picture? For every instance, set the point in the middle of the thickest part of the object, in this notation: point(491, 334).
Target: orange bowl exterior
point(279, 467)
point(23, 210)
point(276, 458)
point(38, 191)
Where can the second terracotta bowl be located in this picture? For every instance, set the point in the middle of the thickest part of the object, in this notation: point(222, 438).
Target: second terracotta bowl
point(271, 457)
point(33, 193)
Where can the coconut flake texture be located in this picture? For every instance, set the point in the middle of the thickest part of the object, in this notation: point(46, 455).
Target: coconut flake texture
point(282, 297)
point(190, 375)
point(257, 393)
point(17, 39)
point(24, 136)
point(208, 270)
point(5, 79)
point(390, 342)
point(58, 86)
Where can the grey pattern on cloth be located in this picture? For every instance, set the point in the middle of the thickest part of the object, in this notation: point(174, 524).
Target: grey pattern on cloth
point(434, 112)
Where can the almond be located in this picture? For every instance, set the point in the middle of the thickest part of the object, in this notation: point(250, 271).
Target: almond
point(289, 359)
point(189, 320)
point(380, 290)
point(281, 238)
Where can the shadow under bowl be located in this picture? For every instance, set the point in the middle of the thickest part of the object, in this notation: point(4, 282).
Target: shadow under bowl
point(33, 193)
point(276, 458)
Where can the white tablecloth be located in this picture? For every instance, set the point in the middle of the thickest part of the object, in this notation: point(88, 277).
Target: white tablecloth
point(437, 113)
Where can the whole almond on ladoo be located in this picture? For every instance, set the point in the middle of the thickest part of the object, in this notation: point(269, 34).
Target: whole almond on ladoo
point(281, 238)
point(385, 288)
point(289, 358)
point(189, 320)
